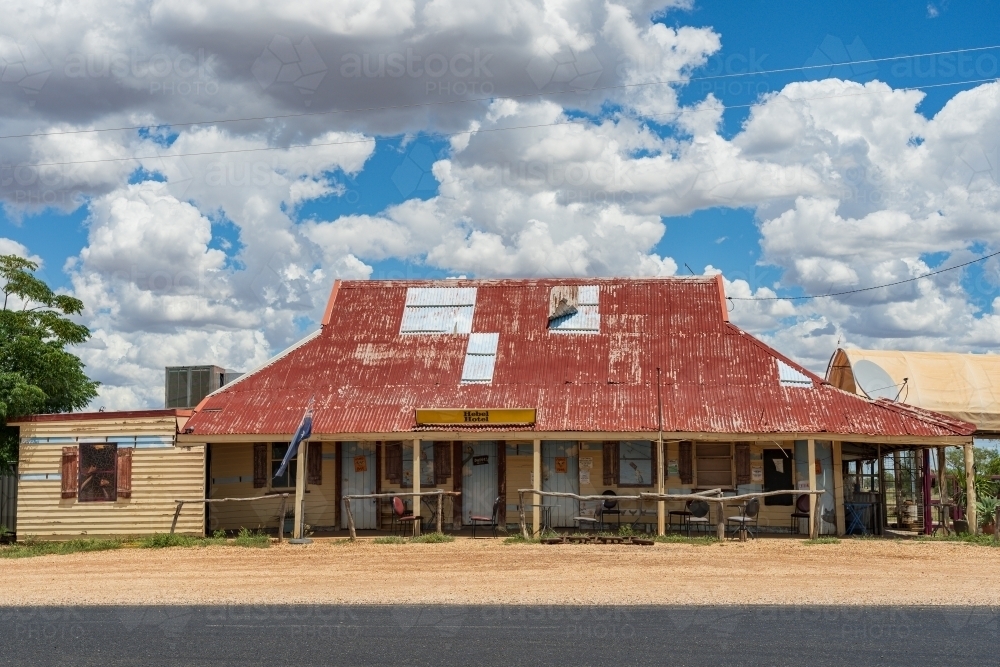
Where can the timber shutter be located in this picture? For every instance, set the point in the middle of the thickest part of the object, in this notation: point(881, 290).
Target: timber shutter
point(442, 462)
point(124, 472)
point(742, 463)
point(685, 462)
point(610, 461)
point(70, 471)
point(259, 465)
point(394, 462)
point(314, 463)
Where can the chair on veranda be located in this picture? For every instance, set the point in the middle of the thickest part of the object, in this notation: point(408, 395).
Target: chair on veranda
point(400, 517)
point(746, 519)
point(701, 515)
point(486, 521)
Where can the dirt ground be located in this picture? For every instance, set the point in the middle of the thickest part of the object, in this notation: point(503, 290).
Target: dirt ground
point(778, 571)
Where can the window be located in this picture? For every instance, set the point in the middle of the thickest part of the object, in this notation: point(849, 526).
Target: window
point(287, 480)
point(438, 310)
point(426, 465)
point(635, 463)
point(98, 473)
point(714, 465)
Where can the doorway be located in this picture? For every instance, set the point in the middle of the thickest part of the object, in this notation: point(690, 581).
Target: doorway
point(358, 478)
point(561, 474)
point(479, 479)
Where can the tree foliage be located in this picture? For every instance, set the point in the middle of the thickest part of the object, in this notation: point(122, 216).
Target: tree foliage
point(37, 373)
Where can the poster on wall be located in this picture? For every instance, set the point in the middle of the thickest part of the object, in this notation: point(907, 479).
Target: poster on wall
point(481, 460)
point(360, 464)
point(673, 470)
point(584, 477)
point(586, 463)
point(757, 474)
point(562, 464)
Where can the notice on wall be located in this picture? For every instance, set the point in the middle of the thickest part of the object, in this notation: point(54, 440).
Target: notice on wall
point(360, 464)
point(673, 470)
point(779, 465)
point(802, 485)
point(586, 463)
point(481, 460)
point(562, 464)
point(584, 477)
point(756, 472)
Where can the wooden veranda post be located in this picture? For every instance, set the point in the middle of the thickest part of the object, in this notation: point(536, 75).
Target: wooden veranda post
point(838, 487)
point(281, 517)
point(970, 489)
point(298, 531)
point(416, 487)
point(536, 463)
point(661, 506)
point(812, 487)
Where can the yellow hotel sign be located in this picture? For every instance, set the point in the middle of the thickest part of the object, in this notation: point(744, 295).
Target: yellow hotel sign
point(475, 416)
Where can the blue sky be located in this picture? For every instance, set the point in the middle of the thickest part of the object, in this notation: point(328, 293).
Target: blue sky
point(832, 186)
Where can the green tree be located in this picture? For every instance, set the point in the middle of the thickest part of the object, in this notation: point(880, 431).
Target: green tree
point(37, 374)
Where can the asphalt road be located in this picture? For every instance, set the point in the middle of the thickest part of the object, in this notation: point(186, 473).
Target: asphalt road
point(484, 635)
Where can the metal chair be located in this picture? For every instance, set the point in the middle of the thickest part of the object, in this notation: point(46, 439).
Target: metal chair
point(400, 517)
point(597, 521)
point(747, 517)
point(486, 521)
point(611, 506)
point(801, 512)
point(683, 516)
point(701, 515)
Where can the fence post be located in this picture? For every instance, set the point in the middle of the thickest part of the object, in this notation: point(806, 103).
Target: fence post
point(350, 519)
point(177, 513)
point(520, 513)
point(440, 495)
point(720, 521)
point(281, 518)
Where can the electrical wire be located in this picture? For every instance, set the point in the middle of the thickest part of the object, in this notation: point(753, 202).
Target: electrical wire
point(862, 289)
point(583, 121)
point(660, 82)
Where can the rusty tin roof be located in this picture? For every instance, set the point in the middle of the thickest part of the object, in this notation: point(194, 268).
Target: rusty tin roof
point(367, 377)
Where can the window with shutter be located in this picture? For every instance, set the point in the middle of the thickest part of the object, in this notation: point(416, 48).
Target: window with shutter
point(442, 462)
point(70, 471)
point(742, 463)
point(610, 463)
point(259, 465)
point(715, 465)
point(394, 462)
point(98, 473)
point(636, 463)
point(314, 463)
point(125, 472)
point(685, 462)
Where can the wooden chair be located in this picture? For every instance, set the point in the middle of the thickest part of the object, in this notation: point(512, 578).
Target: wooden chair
point(400, 517)
point(486, 521)
point(801, 512)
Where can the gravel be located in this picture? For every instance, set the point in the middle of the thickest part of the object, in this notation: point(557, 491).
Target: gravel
point(767, 571)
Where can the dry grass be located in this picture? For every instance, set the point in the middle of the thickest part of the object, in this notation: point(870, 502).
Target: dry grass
point(777, 571)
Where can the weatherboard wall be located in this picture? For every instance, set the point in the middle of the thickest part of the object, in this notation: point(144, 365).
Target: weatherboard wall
point(161, 473)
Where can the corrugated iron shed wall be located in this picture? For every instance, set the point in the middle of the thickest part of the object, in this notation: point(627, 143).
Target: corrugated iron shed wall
point(160, 474)
point(366, 377)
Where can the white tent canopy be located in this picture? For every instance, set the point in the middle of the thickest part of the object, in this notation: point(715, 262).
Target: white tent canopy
point(963, 386)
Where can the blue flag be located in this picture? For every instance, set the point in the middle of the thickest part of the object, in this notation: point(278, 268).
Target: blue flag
point(301, 433)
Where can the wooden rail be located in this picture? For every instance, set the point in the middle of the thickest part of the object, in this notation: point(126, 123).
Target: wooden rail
point(281, 511)
point(440, 493)
point(712, 496)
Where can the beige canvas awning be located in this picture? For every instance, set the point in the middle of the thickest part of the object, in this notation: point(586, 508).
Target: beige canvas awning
point(964, 386)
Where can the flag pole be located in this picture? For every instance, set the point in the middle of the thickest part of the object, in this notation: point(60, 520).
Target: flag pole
point(298, 534)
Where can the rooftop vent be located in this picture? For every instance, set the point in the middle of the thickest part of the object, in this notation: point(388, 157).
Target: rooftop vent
point(186, 386)
point(574, 309)
point(438, 310)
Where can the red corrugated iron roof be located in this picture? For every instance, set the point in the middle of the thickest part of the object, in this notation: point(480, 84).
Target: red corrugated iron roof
point(366, 377)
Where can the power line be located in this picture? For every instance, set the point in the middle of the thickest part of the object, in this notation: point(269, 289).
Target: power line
point(862, 289)
point(784, 70)
point(475, 131)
